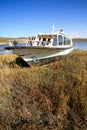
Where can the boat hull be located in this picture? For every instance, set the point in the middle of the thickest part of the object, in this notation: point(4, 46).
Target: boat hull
point(40, 55)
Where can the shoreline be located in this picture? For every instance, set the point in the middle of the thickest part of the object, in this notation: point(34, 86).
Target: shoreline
point(3, 43)
point(79, 39)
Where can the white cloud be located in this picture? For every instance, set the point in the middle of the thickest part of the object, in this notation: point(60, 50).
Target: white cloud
point(79, 34)
point(79, 31)
point(75, 35)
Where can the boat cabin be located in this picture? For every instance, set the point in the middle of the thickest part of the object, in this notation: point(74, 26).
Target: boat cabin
point(59, 39)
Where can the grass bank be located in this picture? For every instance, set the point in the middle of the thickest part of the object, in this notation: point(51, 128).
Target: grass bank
point(6, 40)
point(50, 97)
point(79, 39)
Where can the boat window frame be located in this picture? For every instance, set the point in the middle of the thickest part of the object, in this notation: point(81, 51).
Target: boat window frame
point(60, 43)
point(55, 43)
point(66, 41)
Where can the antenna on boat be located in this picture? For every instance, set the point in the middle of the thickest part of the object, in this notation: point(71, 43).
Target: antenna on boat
point(53, 28)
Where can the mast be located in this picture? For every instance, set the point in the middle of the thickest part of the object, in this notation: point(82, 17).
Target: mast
point(53, 28)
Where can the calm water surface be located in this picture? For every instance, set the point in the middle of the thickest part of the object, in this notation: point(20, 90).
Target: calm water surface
point(77, 46)
point(3, 51)
point(80, 46)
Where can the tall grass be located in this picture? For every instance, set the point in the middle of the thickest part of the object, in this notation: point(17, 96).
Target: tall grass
point(50, 97)
point(6, 40)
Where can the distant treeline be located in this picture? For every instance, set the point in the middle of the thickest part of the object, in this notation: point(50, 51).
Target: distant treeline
point(79, 39)
point(5, 39)
point(22, 39)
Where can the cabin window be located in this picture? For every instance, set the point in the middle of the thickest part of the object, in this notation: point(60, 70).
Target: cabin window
point(44, 39)
point(55, 42)
point(39, 39)
point(60, 39)
point(66, 41)
point(49, 40)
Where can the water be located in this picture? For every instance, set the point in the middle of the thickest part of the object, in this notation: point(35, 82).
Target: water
point(3, 51)
point(80, 46)
point(77, 46)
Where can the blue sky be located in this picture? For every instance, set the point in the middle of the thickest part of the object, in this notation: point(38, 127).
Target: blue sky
point(20, 18)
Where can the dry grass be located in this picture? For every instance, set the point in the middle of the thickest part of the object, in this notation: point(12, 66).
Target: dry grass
point(50, 97)
point(6, 40)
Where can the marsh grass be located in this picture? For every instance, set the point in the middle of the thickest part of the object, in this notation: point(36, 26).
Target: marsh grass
point(6, 40)
point(48, 97)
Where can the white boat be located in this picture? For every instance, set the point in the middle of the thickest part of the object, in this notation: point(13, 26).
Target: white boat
point(44, 48)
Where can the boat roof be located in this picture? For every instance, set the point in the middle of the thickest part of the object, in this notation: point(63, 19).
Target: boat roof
point(47, 35)
point(53, 35)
